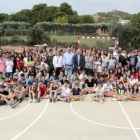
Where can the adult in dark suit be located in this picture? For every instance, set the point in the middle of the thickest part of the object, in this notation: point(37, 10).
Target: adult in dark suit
point(78, 60)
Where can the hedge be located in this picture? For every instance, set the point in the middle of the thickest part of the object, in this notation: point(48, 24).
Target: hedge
point(66, 27)
point(15, 25)
point(50, 26)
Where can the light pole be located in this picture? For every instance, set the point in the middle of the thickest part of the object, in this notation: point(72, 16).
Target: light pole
point(0, 36)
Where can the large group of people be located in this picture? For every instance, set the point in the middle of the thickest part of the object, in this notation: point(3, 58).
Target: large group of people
point(68, 75)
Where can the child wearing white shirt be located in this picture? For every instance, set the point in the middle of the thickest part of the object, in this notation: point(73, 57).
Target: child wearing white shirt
point(65, 92)
point(9, 67)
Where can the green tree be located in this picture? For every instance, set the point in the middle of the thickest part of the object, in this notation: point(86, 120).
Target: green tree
point(87, 19)
point(134, 19)
point(37, 35)
point(66, 8)
point(100, 20)
point(37, 13)
point(74, 19)
point(135, 41)
point(3, 16)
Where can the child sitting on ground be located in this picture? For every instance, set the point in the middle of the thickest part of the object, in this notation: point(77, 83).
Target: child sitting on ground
point(65, 92)
point(19, 92)
point(53, 92)
point(135, 94)
point(99, 96)
point(42, 92)
point(108, 89)
point(33, 92)
point(5, 96)
point(90, 85)
point(76, 93)
point(121, 93)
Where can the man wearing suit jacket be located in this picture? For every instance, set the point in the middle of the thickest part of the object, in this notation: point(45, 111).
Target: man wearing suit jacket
point(78, 61)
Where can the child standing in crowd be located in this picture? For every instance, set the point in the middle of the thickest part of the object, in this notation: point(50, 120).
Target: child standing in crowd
point(9, 67)
point(99, 66)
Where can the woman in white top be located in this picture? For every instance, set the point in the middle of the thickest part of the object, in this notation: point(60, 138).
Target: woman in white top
point(57, 63)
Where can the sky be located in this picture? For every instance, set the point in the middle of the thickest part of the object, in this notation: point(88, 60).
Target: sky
point(81, 6)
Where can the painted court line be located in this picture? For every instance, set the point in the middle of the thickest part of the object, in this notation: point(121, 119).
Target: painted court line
point(32, 122)
point(97, 122)
point(129, 121)
point(15, 113)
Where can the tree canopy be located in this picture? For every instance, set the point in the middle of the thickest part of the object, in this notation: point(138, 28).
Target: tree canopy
point(42, 12)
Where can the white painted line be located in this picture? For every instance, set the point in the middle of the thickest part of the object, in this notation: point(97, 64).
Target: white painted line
point(129, 121)
point(97, 122)
point(32, 122)
point(15, 113)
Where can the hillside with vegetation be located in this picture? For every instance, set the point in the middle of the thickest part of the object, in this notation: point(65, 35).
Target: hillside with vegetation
point(109, 16)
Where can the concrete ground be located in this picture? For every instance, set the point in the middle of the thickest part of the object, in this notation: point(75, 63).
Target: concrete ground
point(79, 120)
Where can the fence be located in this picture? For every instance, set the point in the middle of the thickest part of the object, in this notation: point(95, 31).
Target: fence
point(58, 38)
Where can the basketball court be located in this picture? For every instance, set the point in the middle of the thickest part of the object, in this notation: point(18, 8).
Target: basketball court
point(85, 120)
